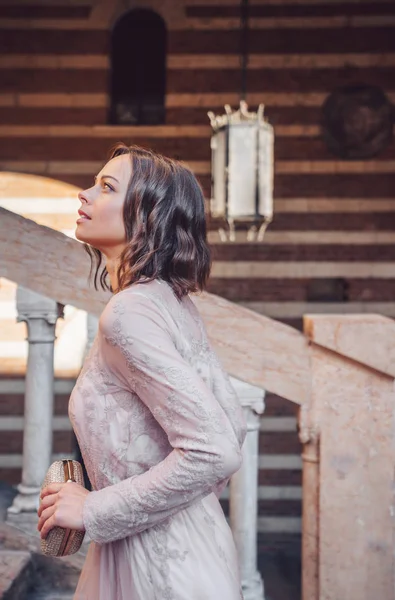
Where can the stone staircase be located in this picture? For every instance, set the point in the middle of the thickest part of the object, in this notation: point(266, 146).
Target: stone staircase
point(25, 573)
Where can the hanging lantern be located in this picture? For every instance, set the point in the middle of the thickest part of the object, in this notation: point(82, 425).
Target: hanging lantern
point(242, 171)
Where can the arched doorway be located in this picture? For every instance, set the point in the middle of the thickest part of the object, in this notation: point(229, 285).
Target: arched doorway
point(138, 69)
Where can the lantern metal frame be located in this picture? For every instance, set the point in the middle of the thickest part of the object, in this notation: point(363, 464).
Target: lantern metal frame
point(259, 220)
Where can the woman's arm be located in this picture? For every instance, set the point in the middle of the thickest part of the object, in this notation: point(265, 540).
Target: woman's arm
point(140, 351)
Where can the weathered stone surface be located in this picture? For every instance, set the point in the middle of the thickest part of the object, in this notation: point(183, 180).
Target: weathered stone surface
point(47, 262)
point(14, 574)
point(367, 339)
point(16, 539)
point(22, 564)
point(349, 504)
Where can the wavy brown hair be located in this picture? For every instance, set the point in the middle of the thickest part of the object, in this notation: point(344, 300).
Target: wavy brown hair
point(165, 225)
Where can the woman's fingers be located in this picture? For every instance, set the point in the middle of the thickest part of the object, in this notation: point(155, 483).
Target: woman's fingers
point(45, 502)
point(52, 488)
point(48, 525)
point(48, 512)
point(66, 502)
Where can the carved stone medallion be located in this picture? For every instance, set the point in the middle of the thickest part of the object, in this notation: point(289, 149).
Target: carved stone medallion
point(357, 121)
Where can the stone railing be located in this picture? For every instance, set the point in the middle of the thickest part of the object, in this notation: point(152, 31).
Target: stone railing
point(347, 428)
point(341, 372)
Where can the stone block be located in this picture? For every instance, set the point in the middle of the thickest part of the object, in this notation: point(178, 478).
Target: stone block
point(15, 574)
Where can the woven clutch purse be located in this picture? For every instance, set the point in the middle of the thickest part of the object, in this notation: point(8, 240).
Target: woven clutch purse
point(60, 541)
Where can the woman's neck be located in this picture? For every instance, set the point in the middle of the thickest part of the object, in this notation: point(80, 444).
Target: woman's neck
point(112, 257)
point(112, 265)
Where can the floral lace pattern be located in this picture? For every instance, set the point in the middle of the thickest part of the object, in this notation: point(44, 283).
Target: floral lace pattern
point(158, 422)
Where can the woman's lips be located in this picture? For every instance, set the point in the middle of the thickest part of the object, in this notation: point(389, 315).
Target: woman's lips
point(82, 217)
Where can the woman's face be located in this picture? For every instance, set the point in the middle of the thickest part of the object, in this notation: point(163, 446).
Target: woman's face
point(102, 225)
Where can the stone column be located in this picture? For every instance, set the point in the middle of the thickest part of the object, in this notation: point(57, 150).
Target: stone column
point(40, 314)
point(244, 493)
point(92, 324)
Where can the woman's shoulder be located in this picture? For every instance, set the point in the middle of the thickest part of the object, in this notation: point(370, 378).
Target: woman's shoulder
point(140, 300)
point(139, 292)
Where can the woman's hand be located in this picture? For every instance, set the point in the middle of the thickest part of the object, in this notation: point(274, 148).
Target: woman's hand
point(61, 506)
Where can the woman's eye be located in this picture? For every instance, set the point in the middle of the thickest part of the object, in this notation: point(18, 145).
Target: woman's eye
point(107, 186)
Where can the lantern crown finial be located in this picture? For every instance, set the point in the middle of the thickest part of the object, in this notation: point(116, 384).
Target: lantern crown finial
point(231, 117)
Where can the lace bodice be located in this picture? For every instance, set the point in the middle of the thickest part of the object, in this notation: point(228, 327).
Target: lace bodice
point(158, 422)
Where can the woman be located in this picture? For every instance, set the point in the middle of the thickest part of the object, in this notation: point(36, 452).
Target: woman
point(158, 423)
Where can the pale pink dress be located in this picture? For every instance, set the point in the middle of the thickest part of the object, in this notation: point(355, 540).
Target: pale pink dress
point(160, 430)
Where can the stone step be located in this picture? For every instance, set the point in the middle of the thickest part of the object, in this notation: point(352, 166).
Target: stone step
point(26, 574)
point(16, 574)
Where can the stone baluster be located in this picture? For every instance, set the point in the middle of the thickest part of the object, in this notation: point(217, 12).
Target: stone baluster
point(244, 493)
point(40, 314)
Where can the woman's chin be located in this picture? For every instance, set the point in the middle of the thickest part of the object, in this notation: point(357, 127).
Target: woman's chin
point(79, 234)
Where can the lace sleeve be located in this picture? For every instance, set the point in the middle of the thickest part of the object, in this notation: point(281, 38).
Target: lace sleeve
point(225, 394)
point(206, 451)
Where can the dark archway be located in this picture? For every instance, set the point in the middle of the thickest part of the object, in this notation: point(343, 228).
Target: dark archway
point(138, 69)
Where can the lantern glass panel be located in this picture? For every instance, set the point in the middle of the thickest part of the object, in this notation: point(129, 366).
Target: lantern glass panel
point(242, 171)
point(218, 173)
point(266, 161)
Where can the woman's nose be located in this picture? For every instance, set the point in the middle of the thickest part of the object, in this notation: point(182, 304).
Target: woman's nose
point(82, 197)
